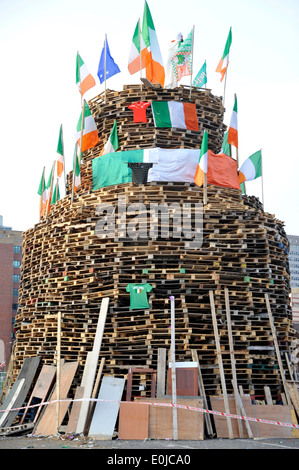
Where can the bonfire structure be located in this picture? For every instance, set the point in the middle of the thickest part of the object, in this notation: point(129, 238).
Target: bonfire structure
point(69, 266)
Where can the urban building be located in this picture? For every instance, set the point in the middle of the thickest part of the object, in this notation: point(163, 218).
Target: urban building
point(294, 260)
point(10, 264)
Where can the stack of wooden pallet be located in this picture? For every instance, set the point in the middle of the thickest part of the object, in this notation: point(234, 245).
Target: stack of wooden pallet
point(68, 268)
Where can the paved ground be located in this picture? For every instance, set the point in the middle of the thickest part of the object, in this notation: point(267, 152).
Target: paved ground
point(167, 446)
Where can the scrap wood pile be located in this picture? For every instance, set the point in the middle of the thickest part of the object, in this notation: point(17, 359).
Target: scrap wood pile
point(68, 268)
point(114, 105)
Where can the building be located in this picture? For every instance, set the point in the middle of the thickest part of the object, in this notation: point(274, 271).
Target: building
point(10, 262)
point(294, 260)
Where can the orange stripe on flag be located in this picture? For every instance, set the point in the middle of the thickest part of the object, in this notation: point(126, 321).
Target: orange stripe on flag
point(155, 72)
point(134, 66)
point(242, 177)
point(199, 176)
point(89, 140)
point(191, 116)
point(59, 168)
point(232, 137)
point(86, 84)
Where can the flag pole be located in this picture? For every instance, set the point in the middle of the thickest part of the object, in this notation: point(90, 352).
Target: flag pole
point(139, 30)
point(192, 46)
point(64, 172)
point(41, 198)
point(51, 190)
point(262, 180)
point(105, 63)
point(74, 170)
point(237, 148)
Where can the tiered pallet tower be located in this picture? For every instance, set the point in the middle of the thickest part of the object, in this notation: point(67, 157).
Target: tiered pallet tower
point(67, 268)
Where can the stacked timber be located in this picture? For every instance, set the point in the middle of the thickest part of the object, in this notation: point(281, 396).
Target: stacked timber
point(68, 267)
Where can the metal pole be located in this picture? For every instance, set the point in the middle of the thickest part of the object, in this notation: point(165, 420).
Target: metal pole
point(173, 372)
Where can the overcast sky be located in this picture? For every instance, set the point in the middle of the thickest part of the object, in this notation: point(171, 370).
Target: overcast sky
point(39, 40)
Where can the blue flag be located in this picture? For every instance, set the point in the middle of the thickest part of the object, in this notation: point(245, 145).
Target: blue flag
point(111, 67)
point(201, 77)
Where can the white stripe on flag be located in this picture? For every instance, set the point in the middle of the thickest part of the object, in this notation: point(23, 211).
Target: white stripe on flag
point(248, 170)
point(177, 115)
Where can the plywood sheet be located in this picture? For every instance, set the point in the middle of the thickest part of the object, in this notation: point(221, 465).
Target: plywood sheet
point(133, 421)
point(190, 423)
point(19, 390)
point(186, 381)
point(106, 410)
point(74, 415)
point(280, 413)
point(47, 423)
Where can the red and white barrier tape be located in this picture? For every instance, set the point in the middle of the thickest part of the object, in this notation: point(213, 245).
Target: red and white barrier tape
point(185, 407)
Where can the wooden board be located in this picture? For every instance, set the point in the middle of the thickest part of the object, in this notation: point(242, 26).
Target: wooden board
point(106, 410)
point(190, 423)
point(186, 379)
point(133, 421)
point(75, 411)
point(19, 390)
point(282, 413)
point(41, 389)
point(46, 426)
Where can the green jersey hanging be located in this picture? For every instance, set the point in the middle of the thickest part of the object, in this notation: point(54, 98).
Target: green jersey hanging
point(138, 295)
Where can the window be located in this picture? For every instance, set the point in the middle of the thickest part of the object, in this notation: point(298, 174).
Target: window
point(16, 264)
point(15, 306)
point(17, 249)
point(16, 278)
point(15, 292)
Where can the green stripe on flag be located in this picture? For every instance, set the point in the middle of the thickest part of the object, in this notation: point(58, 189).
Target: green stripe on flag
point(146, 24)
point(161, 114)
point(228, 44)
point(256, 159)
point(112, 168)
point(136, 39)
point(60, 142)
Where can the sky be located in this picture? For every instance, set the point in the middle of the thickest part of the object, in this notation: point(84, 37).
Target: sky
point(39, 40)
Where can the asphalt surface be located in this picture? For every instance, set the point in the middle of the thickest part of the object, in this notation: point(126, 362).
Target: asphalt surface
point(167, 446)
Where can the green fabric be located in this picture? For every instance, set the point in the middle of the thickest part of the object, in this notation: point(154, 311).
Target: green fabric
point(79, 62)
point(111, 168)
point(114, 136)
point(55, 195)
point(138, 295)
point(161, 114)
point(147, 24)
point(225, 146)
point(201, 78)
point(256, 159)
point(60, 142)
point(227, 44)
point(41, 187)
point(136, 38)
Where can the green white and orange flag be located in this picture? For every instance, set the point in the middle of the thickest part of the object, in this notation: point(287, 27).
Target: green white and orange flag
point(202, 166)
point(60, 151)
point(232, 137)
point(251, 168)
point(155, 72)
point(223, 63)
point(84, 79)
point(112, 143)
point(76, 170)
point(42, 191)
point(136, 49)
point(90, 133)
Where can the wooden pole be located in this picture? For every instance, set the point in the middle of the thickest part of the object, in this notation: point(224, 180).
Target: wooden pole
point(192, 47)
point(277, 350)
point(58, 370)
point(218, 349)
point(205, 189)
point(74, 170)
point(64, 172)
point(140, 58)
point(202, 392)
point(105, 62)
point(51, 190)
point(41, 198)
point(173, 372)
point(262, 180)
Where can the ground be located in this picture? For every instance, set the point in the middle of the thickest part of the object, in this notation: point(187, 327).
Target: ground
point(168, 446)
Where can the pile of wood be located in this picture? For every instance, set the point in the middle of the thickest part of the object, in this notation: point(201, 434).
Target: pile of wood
point(68, 268)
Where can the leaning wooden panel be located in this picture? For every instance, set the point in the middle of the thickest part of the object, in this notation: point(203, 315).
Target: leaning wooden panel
point(133, 421)
point(277, 413)
point(47, 424)
point(190, 423)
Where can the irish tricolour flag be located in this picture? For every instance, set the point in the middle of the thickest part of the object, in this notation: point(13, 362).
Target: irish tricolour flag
point(84, 79)
point(155, 72)
point(251, 168)
point(175, 114)
point(136, 47)
point(232, 137)
point(202, 166)
point(223, 63)
point(112, 143)
point(60, 151)
point(90, 133)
